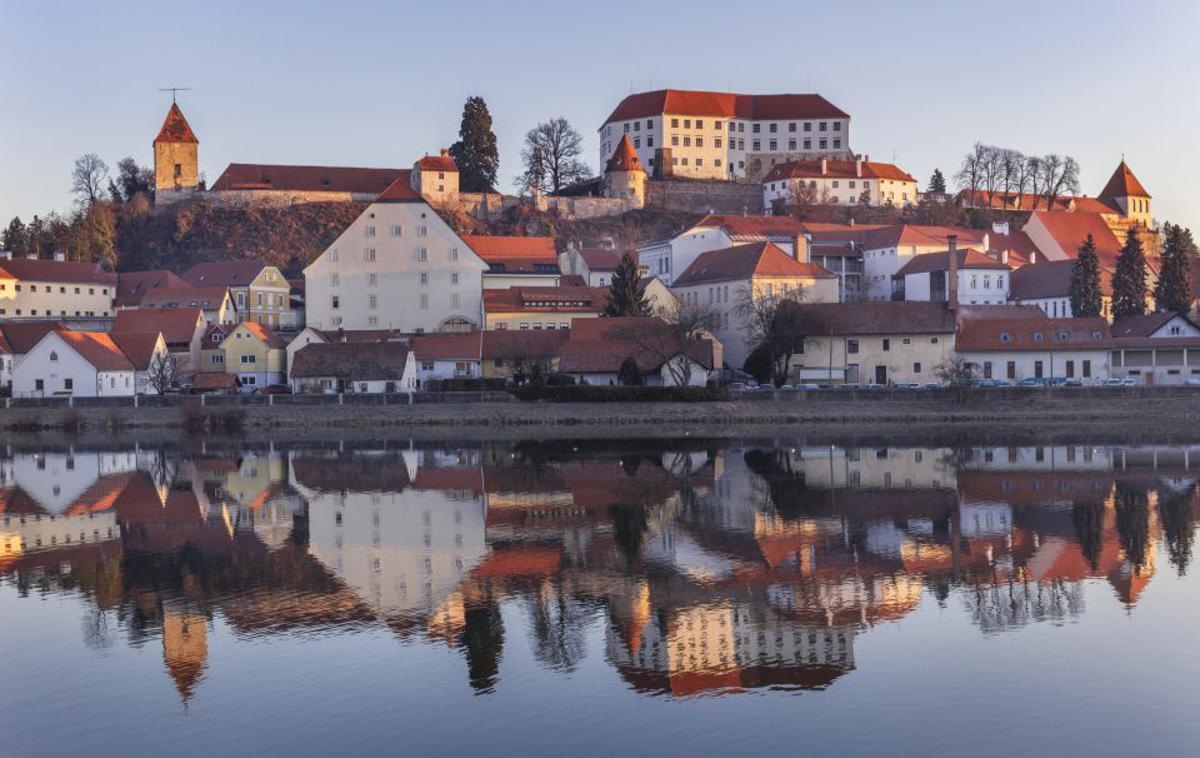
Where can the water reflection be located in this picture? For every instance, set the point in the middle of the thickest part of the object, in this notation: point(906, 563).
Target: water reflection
point(712, 567)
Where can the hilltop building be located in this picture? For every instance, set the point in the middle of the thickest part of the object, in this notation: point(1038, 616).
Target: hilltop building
point(176, 159)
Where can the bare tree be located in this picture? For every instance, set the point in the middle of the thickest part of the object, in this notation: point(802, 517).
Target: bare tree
point(529, 359)
point(551, 156)
point(674, 340)
point(89, 178)
point(1060, 176)
point(955, 373)
point(970, 174)
point(768, 319)
point(1012, 163)
point(1027, 178)
point(161, 371)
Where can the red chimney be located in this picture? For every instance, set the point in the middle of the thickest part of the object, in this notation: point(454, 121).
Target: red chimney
point(952, 266)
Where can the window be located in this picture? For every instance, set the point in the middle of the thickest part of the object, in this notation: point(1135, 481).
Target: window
point(717, 142)
point(887, 344)
point(1005, 337)
point(427, 365)
point(372, 279)
point(808, 144)
point(454, 277)
point(756, 128)
point(68, 384)
point(423, 301)
point(1087, 369)
point(1037, 336)
point(1037, 369)
point(455, 301)
point(395, 230)
point(916, 368)
point(987, 369)
point(674, 123)
point(372, 301)
point(824, 144)
point(454, 253)
point(53, 356)
point(218, 358)
point(1011, 370)
point(368, 231)
point(674, 140)
point(336, 302)
point(851, 346)
point(333, 256)
point(249, 359)
point(39, 385)
point(369, 254)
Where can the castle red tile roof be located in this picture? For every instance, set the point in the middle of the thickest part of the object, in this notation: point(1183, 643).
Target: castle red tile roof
point(437, 163)
point(214, 380)
point(837, 169)
point(132, 286)
point(1049, 279)
point(624, 158)
point(175, 128)
point(1027, 201)
point(1021, 334)
point(1123, 184)
point(59, 272)
point(178, 325)
point(260, 176)
point(98, 349)
point(739, 262)
point(675, 102)
point(968, 258)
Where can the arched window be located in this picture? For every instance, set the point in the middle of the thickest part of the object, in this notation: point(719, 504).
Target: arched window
point(53, 356)
point(456, 324)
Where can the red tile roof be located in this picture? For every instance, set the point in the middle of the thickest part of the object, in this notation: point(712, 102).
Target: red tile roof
point(878, 317)
point(464, 346)
point(526, 343)
point(185, 297)
point(969, 258)
point(753, 226)
point(1027, 201)
point(603, 258)
point(601, 345)
point(214, 380)
point(209, 341)
point(178, 326)
point(138, 348)
point(59, 272)
point(676, 102)
point(175, 128)
point(441, 162)
point(1020, 334)
point(545, 300)
point(624, 158)
point(19, 338)
point(835, 169)
point(1049, 279)
point(263, 334)
point(1017, 244)
point(1123, 184)
point(132, 286)
point(225, 273)
point(1145, 325)
point(1070, 230)
point(740, 262)
point(257, 176)
point(354, 361)
point(399, 191)
point(920, 236)
point(98, 349)
point(525, 251)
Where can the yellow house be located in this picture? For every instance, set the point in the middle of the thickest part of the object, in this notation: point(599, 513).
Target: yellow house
point(259, 291)
point(525, 308)
point(255, 354)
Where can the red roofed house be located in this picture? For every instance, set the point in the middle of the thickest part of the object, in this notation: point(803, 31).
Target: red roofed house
point(132, 286)
point(216, 303)
point(520, 308)
point(1156, 348)
point(255, 354)
point(83, 364)
point(363, 367)
point(838, 182)
point(435, 176)
point(1048, 286)
point(17, 339)
point(721, 135)
point(54, 288)
point(722, 280)
point(259, 290)
point(668, 258)
point(182, 330)
point(981, 279)
point(596, 349)
point(595, 264)
point(447, 356)
point(176, 159)
point(516, 261)
point(1041, 348)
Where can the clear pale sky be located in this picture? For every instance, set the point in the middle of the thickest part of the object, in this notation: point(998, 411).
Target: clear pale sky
point(382, 83)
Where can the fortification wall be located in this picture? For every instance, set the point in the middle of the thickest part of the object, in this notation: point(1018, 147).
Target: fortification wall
point(695, 196)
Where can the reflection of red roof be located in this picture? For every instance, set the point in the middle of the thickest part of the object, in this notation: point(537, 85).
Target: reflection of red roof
point(677, 102)
point(175, 128)
point(524, 561)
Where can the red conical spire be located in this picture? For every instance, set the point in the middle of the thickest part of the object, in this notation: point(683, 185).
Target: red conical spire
point(1124, 184)
point(625, 158)
point(175, 128)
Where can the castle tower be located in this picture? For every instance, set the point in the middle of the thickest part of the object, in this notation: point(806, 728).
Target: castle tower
point(176, 158)
point(624, 175)
point(1124, 191)
point(185, 649)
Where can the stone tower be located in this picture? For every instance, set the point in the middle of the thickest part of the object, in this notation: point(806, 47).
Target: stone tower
point(624, 175)
point(1126, 193)
point(176, 158)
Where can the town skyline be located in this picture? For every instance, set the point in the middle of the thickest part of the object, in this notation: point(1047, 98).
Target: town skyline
point(39, 146)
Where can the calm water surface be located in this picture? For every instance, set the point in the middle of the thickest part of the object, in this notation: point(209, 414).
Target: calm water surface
point(599, 598)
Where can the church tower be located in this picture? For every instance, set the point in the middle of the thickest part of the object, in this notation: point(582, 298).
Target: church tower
point(624, 175)
point(1125, 192)
point(176, 158)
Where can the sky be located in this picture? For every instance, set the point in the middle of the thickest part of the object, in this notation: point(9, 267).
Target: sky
point(382, 83)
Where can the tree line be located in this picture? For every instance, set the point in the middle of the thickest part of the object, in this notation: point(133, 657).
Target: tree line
point(990, 170)
point(1130, 278)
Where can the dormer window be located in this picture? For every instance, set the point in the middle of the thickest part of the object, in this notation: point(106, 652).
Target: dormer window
point(1062, 336)
point(1005, 337)
point(1037, 336)
point(1096, 337)
point(53, 356)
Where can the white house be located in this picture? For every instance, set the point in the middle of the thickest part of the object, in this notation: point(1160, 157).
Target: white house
point(1157, 348)
point(311, 335)
point(1024, 347)
point(594, 352)
point(668, 258)
point(838, 182)
point(357, 367)
point(886, 249)
point(398, 266)
point(82, 364)
point(722, 135)
point(52, 289)
point(447, 356)
point(981, 279)
point(17, 339)
point(516, 261)
point(1048, 286)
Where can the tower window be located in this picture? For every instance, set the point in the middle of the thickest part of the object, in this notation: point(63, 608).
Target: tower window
point(178, 169)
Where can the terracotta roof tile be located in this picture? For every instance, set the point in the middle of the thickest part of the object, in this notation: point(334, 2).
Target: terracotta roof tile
point(527, 343)
point(1021, 334)
point(399, 191)
point(224, 273)
point(723, 105)
point(185, 297)
point(878, 317)
point(1070, 230)
point(20, 337)
point(132, 286)
point(968, 258)
point(178, 326)
point(1145, 325)
point(744, 261)
point(437, 163)
point(138, 348)
point(354, 361)
point(98, 349)
point(624, 158)
point(258, 176)
point(64, 272)
point(753, 226)
point(263, 334)
point(545, 299)
point(175, 128)
point(1123, 184)
point(1028, 201)
point(1049, 279)
point(601, 345)
point(837, 169)
point(515, 254)
point(603, 258)
point(464, 346)
point(214, 380)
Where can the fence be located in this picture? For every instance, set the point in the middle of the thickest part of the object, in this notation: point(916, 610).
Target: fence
point(241, 401)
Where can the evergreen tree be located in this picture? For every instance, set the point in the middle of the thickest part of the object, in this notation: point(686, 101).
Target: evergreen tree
point(1129, 280)
point(625, 296)
point(475, 152)
point(629, 374)
point(35, 237)
point(1085, 289)
point(937, 183)
point(14, 238)
point(1173, 291)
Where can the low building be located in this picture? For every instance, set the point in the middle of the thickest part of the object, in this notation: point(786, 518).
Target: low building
point(516, 261)
point(874, 343)
point(358, 367)
point(1048, 286)
point(132, 286)
point(310, 335)
point(79, 364)
point(520, 308)
point(838, 182)
point(38, 288)
point(1157, 348)
point(143, 351)
point(521, 353)
point(260, 292)
point(447, 356)
point(182, 329)
point(981, 279)
point(596, 349)
point(1013, 349)
point(17, 339)
point(725, 281)
point(670, 257)
point(255, 354)
point(595, 264)
point(216, 303)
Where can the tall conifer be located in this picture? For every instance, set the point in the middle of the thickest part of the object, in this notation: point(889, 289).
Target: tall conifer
point(1129, 280)
point(1085, 291)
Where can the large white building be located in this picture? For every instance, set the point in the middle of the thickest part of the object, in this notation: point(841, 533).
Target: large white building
point(982, 280)
point(838, 182)
point(721, 135)
point(398, 266)
point(54, 288)
point(670, 257)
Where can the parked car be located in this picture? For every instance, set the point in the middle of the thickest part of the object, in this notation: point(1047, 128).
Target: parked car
point(1031, 381)
point(1193, 382)
point(274, 389)
point(808, 386)
point(1129, 381)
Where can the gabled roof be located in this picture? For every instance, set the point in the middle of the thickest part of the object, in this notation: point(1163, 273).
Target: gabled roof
point(625, 158)
point(746, 228)
point(133, 285)
point(175, 128)
point(968, 258)
point(262, 334)
point(178, 325)
point(18, 338)
point(400, 191)
point(429, 347)
point(740, 262)
point(98, 349)
point(920, 236)
point(355, 361)
point(877, 317)
point(59, 272)
point(601, 345)
point(1033, 334)
point(837, 169)
point(442, 162)
point(1123, 184)
point(525, 343)
point(138, 348)
point(224, 273)
point(677, 102)
point(185, 297)
point(359, 335)
point(1027, 201)
point(1070, 230)
point(261, 176)
point(209, 341)
point(1049, 279)
point(1147, 324)
point(603, 258)
point(545, 299)
point(515, 254)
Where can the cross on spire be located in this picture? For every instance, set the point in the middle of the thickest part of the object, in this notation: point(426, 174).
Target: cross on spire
point(173, 91)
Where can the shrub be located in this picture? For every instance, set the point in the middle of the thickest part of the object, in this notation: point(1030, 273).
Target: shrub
point(587, 393)
point(193, 418)
point(229, 421)
point(27, 423)
point(72, 421)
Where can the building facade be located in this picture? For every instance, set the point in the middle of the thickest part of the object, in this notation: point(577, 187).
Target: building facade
point(38, 288)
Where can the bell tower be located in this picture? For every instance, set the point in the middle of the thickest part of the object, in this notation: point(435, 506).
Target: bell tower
point(176, 158)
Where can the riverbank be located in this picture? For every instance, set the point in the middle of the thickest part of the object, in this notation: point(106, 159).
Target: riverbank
point(1149, 413)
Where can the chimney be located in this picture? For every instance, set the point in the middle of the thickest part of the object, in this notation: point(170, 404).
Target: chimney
point(1032, 257)
point(800, 247)
point(1004, 256)
point(59, 255)
point(858, 166)
point(952, 265)
point(824, 166)
point(445, 152)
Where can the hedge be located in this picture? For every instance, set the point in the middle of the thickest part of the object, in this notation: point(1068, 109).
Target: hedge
point(586, 393)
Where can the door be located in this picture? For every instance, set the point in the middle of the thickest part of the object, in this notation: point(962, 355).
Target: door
point(881, 374)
